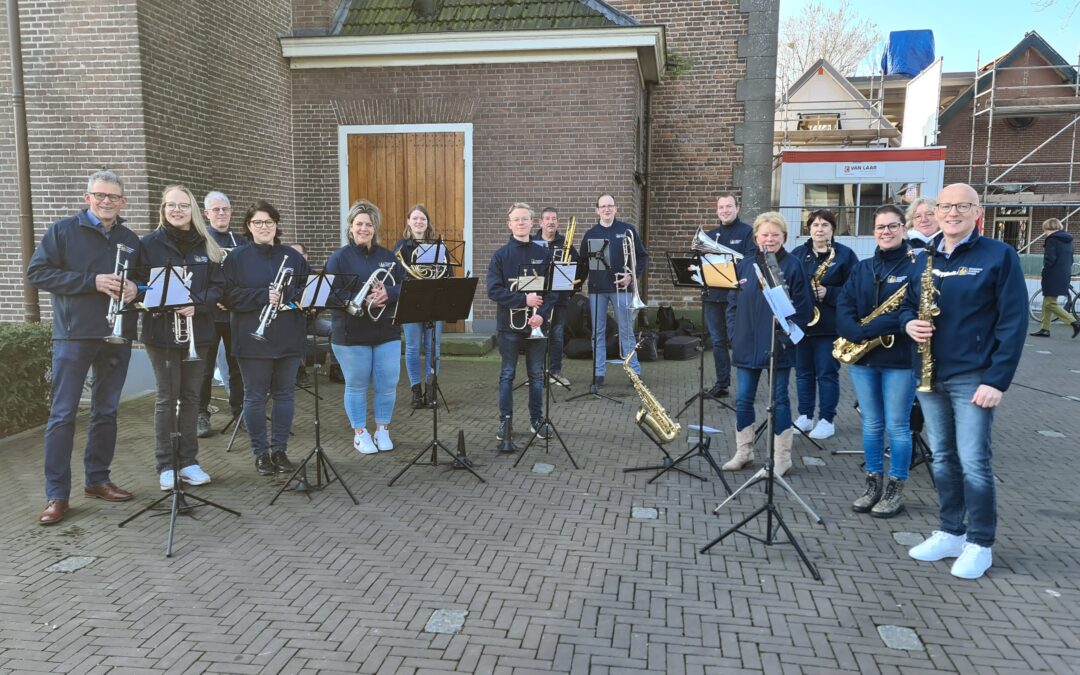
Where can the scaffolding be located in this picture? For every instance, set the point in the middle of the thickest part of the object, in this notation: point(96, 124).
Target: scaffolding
point(841, 123)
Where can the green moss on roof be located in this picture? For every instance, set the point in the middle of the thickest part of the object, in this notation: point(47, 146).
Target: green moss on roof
point(394, 17)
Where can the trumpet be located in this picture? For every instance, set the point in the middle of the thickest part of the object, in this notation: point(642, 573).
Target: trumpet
point(184, 328)
point(360, 303)
point(630, 269)
point(269, 312)
point(113, 316)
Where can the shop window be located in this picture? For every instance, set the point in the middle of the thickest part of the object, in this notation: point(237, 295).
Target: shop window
point(852, 203)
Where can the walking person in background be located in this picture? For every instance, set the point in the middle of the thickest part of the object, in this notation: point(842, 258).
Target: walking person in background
point(1056, 277)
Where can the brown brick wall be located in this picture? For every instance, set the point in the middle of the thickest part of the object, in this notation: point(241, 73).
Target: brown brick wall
point(549, 134)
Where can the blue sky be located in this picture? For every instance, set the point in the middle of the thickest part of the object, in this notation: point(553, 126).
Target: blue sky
point(964, 27)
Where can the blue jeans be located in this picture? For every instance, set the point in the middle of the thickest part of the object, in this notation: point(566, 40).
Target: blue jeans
point(885, 398)
point(817, 371)
point(747, 380)
point(364, 366)
point(959, 435)
point(509, 343)
point(277, 378)
point(716, 321)
point(71, 361)
point(558, 331)
point(178, 381)
point(598, 304)
point(414, 334)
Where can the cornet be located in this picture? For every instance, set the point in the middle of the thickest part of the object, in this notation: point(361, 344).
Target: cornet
point(184, 328)
point(630, 268)
point(524, 284)
point(360, 303)
point(114, 317)
point(269, 312)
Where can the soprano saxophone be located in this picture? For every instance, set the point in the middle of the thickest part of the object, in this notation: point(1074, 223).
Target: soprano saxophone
point(651, 413)
point(928, 309)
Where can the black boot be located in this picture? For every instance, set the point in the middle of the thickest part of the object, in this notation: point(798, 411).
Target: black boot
point(1076, 328)
point(264, 465)
point(1042, 332)
point(893, 501)
point(281, 461)
point(417, 396)
point(871, 496)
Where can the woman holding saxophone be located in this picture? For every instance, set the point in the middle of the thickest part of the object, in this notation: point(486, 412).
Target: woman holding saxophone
point(171, 338)
point(364, 338)
point(418, 229)
point(751, 322)
point(261, 282)
point(817, 374)
point(866, 315)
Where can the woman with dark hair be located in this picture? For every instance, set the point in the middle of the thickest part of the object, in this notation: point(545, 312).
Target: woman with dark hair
point(752, 325)
point(268, 364)
point(418, 229)
point(827, 265)
point(883, 381)
point(368, 350)
point(1056, 277)
point(180, 240)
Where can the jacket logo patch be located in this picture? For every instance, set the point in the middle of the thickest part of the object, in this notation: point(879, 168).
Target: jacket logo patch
point(962, 272)
point(386, 265)
point(735, 241)
point(201, 259)
point(894, 279)
point(126, 248)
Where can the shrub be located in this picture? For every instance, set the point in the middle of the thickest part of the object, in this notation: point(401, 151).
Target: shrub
point(25, 363)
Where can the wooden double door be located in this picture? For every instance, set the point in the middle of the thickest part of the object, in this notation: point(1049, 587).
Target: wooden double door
point(395, 171)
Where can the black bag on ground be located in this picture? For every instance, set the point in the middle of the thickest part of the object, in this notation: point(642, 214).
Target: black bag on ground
point(665, 318)
point(681, 348)
point(578, 348)
point(578, 323)
point(663, 336)
point(646, 350)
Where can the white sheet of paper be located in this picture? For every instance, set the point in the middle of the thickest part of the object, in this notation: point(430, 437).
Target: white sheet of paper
point(563, 279)
point(781, 307)
point(178, 293)
point(430, 254)
point(310, 299)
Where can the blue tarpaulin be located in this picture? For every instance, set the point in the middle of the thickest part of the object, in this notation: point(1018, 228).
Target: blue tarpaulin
point(907, 52)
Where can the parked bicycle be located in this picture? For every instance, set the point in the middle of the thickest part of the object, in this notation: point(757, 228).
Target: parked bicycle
point(1071, 303)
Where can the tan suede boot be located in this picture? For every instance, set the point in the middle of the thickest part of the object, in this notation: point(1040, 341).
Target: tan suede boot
point(744, 450)
point(783, 452)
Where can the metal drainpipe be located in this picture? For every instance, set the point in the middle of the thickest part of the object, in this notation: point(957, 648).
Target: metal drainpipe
point(647, 123)
point(31, 307)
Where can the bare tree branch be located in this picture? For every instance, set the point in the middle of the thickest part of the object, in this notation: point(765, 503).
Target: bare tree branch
point(838, 35)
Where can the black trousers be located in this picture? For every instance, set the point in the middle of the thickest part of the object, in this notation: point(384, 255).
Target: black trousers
point(236, 380)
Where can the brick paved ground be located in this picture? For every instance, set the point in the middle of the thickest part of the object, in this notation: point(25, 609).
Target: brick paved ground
point(552, 570)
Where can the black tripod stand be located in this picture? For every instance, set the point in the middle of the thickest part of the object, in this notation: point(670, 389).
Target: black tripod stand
point(548, 422)
point(769, 508)
point(597, 258)
point(703, 393)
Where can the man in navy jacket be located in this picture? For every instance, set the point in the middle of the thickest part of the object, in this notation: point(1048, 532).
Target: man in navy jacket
point(738, 236)
point(75, 263)
point(976, 344)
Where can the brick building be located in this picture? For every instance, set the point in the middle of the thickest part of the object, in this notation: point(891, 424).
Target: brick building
point(464, 104)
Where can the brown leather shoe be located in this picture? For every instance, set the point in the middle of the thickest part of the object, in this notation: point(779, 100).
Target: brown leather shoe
point(54, 512)
point(109, 493)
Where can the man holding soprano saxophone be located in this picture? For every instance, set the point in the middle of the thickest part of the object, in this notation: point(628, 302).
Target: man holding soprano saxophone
point(82, 261)
point(976, 342)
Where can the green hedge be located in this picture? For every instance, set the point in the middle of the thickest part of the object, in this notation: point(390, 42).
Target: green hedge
point(25, 362)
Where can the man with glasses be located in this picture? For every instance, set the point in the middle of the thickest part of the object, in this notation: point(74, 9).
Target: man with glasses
point(610, 284)
point(976, 344)
point(75, 262)
point(218, 212)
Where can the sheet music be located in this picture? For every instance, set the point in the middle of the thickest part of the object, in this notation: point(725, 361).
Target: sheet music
point(431, 254)
point(178, 294)
point(781, 307)
point(563, 277)
point(317, 291)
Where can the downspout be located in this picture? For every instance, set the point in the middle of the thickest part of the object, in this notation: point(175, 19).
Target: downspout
point(644, 177)
point(31, 308)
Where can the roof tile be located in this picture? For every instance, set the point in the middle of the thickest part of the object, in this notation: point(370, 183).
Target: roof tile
point(395, 17)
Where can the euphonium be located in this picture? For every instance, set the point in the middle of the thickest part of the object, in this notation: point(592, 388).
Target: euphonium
point(928, 309)
point(114, 317)
point(848, 352)
point(269, 312)
point(815, 282)
point(357, 306)
point(630, 268)
point(651, 413)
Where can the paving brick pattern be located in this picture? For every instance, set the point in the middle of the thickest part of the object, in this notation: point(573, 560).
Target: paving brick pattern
point(554, 573)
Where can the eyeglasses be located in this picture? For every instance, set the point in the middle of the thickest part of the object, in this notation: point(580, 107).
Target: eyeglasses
point(106, 196)
point(961, 207)
point(606, 206)
point(519, 221)
point(173, 206)
point(220, 209)
point(262, 223)
point(891, 227)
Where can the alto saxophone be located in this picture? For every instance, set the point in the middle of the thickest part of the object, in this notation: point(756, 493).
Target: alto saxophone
point(928, 309)
point(651, 413)
point(848, 352)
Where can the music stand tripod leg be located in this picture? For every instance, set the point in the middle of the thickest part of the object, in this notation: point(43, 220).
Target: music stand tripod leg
point(551, 429)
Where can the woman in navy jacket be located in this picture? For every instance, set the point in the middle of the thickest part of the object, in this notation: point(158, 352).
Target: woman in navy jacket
point(369, 351)
point(884, 384)
point(418, 339)
point(268, 366)
point(817, 373)
point(1056, 277)
point(181, 239)
point(751, 324)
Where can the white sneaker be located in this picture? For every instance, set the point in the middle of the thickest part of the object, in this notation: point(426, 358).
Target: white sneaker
point(363, 444)
point(382, 440)
point(824, 429)
point(165, 480)
point(804, 423)
point(194, 475)
point(973, 561)
point(938, 546)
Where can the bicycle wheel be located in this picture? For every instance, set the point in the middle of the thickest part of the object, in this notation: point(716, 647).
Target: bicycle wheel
point(1035, 306)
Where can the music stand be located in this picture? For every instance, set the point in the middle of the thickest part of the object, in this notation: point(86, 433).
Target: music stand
point(166, 291)
point(447, 253)
point(780, 305)
point(319, 293)
point(427, 301)
point(596, 252)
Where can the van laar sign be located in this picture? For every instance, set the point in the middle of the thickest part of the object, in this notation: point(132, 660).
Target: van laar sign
point(861, 169)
